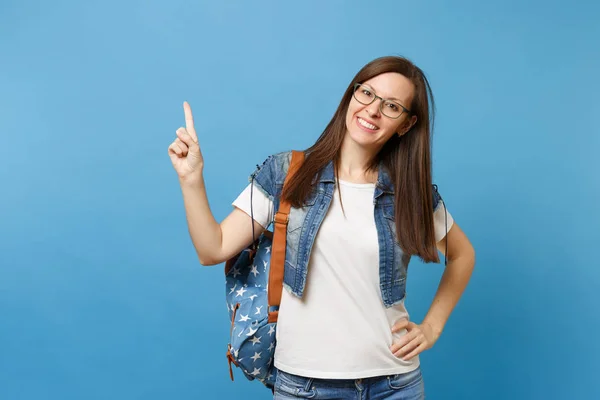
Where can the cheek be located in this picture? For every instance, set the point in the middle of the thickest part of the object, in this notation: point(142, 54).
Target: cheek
point(352, 109)
point(398, 125)
point(390, 130)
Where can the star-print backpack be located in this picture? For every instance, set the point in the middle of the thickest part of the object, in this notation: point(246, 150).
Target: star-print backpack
point(254, 282)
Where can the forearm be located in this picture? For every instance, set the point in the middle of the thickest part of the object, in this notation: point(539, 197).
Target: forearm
point(204, 230)
point(452, 285)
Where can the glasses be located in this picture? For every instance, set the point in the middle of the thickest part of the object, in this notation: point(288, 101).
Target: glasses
point(365, 95)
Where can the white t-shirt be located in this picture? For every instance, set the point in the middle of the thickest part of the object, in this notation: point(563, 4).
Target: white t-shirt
point(340, 329)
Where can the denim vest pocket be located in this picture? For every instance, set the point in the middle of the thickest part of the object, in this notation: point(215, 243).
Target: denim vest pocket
point(388, 211)
point(298, 215)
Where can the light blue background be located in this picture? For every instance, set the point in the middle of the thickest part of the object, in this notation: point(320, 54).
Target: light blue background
point(101, 294)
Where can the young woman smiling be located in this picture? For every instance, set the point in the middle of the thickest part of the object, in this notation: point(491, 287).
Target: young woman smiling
point(363, 203)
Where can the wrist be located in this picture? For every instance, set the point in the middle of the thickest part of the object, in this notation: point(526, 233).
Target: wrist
point(435, 328)
point(192, 182)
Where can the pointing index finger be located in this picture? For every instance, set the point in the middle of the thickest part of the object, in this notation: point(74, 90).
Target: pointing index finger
point(189, 121)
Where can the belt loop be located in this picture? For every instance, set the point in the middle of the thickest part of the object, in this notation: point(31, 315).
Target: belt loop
point(308, 385)
point(359, 384)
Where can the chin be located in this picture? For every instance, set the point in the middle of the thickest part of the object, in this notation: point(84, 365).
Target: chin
point(361, 138)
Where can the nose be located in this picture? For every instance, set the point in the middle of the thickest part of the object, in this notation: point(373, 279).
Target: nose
point(373, 108)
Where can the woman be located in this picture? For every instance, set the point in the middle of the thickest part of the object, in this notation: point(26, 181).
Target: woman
point(362, 204)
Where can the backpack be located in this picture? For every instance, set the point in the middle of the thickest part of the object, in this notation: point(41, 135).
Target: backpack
point(254, 282)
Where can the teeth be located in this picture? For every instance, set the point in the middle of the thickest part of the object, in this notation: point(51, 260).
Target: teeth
point(366, 124)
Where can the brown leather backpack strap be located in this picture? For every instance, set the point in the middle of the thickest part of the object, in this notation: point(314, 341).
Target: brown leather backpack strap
point(279, 242)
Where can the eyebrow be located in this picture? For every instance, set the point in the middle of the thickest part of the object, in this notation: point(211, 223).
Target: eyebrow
point(387, 98)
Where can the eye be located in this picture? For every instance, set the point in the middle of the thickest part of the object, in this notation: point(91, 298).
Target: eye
point(367, 92)
point(393, 106)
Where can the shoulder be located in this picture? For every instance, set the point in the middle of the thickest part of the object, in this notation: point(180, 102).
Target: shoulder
point(270, 175)
point(276, 165)
point(282, 161)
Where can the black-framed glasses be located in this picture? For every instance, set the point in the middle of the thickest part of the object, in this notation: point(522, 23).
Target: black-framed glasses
point(391, 109)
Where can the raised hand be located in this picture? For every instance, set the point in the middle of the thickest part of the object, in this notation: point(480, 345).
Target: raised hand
point(185, 151)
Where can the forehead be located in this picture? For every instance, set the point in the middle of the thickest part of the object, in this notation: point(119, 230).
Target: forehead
point(392, 85)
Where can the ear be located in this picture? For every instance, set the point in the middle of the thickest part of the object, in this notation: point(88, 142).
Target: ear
point(407, 125)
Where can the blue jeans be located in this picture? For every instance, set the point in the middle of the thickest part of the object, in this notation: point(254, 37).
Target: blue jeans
point(408, 386)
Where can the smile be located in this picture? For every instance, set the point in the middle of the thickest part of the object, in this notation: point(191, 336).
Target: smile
point(367, 125)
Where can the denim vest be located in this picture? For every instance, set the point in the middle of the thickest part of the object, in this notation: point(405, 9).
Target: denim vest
point(305, 222)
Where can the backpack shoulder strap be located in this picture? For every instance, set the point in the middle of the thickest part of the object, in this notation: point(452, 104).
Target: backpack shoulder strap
point(279, 242)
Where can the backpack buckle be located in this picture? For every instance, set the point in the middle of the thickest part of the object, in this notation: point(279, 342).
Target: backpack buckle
point(281, 218)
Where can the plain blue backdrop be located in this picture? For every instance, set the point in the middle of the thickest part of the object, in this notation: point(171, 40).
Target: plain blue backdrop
point(101, 294)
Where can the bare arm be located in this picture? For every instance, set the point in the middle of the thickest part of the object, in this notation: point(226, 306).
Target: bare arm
point(461, 261)
point(214, 242)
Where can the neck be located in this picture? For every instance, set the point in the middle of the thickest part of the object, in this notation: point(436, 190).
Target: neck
point(354, 162)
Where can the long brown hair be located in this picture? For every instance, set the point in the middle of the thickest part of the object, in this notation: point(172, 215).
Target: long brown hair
point(407, 159)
